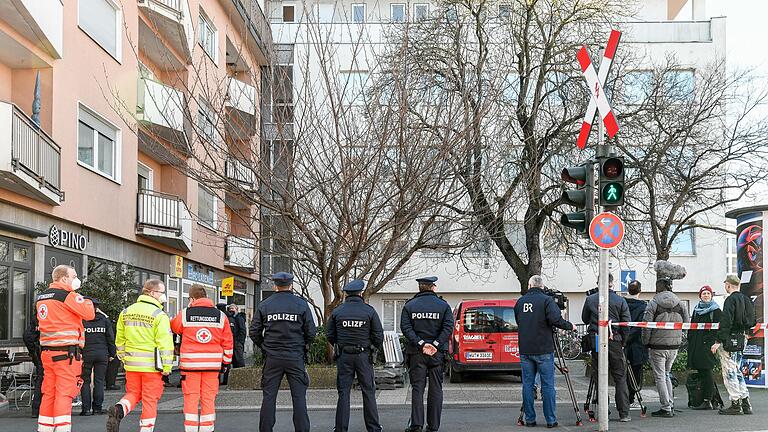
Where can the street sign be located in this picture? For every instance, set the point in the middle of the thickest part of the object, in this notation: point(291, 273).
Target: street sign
point(627, 276)
point(228, 287)
point(596, 81)
point(606, 230)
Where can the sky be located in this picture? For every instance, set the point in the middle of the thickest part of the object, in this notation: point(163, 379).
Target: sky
point(746, 32)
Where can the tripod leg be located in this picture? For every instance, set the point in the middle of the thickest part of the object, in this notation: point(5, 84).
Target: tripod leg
point(564, 370)
point(633, 381)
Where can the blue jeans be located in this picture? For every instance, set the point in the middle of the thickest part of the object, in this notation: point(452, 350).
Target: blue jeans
point(544, 365)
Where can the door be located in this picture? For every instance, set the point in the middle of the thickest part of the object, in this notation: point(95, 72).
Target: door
point(477, 344)
point(506, 337)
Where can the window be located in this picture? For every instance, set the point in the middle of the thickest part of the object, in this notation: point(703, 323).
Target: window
point(97, 144)
point(439, 234)
point(390, 314)
point(206, 207)
point(679, 84)
point(490, 320)
point(206, 121)
point(451, 15)
point(358, 12)
point(420, 11)
point(144, 181)
point(102, 21)
point(684, 243)
point(731, 263)
point(15, 287)
point(288, 13)
point(397, 12)
point(638, 86)
point(352, 85)
point(208, 36)
point(324, 13)
point(505, 10)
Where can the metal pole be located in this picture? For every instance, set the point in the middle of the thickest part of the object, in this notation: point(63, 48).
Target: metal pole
point(602, 354)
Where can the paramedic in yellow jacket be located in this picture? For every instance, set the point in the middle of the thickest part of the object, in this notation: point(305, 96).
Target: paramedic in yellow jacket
point(145, 346)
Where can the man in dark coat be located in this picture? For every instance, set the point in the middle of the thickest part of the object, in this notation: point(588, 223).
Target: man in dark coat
point(241, 332)
point(637, 353)
point(32, 342)
point(98, 351)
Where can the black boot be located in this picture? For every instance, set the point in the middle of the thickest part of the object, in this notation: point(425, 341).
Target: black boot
point(734, 409)
point(746, 408)
point(115, 415)
point(705, 405)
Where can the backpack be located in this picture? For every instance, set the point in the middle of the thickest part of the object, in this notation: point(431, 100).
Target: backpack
point(661, 310)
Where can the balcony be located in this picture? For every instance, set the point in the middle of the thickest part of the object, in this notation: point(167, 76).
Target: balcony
point(165, 219)
point(668, 31)
point(160, 112)
point(240, 252)
point(248, 18)
point(243, 183)
point(242, 122)
point(30, 161)
point(167, 35)
point(41, 23)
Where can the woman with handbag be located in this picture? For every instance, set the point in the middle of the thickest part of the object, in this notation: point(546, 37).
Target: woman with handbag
point(700, 357)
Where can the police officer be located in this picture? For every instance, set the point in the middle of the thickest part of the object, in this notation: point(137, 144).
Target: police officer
point(355, 331)
point(99, 349)
point(427, 322)
point(283, 328)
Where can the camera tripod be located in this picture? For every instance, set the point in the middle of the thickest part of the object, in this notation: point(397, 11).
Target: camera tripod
point(593, 389)
point(563, 369)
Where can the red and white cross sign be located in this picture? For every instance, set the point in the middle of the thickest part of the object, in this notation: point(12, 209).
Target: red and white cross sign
point(596, 80)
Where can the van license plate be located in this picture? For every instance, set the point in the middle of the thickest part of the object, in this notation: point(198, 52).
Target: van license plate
point(486, 355)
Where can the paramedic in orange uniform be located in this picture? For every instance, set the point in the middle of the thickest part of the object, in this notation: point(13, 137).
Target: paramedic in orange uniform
point(60, 313)
point(206, 350)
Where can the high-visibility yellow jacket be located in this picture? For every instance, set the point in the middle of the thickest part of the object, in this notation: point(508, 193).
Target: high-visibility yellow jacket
point(144, 332)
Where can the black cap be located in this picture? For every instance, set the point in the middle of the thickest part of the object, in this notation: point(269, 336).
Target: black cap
point(427, 279)
point(354, 286)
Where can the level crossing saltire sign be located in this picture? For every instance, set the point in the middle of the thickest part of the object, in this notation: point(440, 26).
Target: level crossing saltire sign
point(627, 276)
point(596, 83)
point(606, 230)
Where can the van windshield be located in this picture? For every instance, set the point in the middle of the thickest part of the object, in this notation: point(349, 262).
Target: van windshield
point(492, 319)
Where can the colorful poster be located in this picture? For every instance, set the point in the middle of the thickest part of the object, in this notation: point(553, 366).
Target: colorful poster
point(749, 257)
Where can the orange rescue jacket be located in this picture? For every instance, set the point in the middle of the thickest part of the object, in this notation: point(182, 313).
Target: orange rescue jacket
point(206, 339)
point(60, 314)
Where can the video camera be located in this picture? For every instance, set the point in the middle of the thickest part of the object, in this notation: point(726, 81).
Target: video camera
point(560, 299)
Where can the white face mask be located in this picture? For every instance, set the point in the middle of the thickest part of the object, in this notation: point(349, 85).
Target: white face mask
point(163, 298)
point(76, 284)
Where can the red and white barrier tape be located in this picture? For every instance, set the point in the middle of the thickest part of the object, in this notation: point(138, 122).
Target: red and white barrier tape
point(675, 325)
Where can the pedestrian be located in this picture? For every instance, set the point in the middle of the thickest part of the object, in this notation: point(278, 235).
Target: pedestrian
point(355, 331)
point(60, 315)
point(618, 311)
point(238, 357)
point(283, 328)
point(233, 328)
point(99, 349)
point(32, 342)
point(206, 350)
point(636, 352)
point(426, 322)
point(113, 367)
point(737, 319)
point(664, 307)
point(145, 345)
point(537, 317)
point(700, 357)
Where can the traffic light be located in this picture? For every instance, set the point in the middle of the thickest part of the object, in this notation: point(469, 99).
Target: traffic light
point(583, 197)
point(611, 184)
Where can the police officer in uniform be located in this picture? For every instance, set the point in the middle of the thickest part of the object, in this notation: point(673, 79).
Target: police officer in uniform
point(427, 322)
point(355, 331)
point(99, 349)
point(283, 328)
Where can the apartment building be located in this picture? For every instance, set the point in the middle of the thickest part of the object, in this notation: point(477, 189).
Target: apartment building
point(104, 109)
point(354, 29)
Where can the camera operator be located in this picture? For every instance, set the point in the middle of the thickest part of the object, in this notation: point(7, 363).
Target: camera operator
point(618, 311)
point(537, 316)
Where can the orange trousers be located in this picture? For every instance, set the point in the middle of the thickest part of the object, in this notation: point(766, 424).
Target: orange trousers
point(61, 383)
point(199, 388)
point(147, 388)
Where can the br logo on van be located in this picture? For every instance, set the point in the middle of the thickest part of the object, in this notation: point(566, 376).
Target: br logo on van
point(527, 307)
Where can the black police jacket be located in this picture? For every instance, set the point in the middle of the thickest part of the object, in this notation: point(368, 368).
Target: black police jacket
point(99, 338)
point(242, 328)
point(618, 311)
point(32, 340)
point(283, 326)
point(426, 318)
point(355, 323)
point(537, 315)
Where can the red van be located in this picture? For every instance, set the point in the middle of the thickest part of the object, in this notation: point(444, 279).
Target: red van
point(484, 338)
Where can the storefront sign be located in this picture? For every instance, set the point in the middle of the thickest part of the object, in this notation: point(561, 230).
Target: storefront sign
point(58, 237)
point(178, 266)
point(228, 287)
point(198, 276)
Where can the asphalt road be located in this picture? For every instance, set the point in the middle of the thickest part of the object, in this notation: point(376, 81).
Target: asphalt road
point(486, 419)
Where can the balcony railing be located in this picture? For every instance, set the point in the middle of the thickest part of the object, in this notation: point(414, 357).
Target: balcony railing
point(241, 252)
point(169, 25)
point(164, 218)
point(258, 26)
point(241, 96)
point(239, 171)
